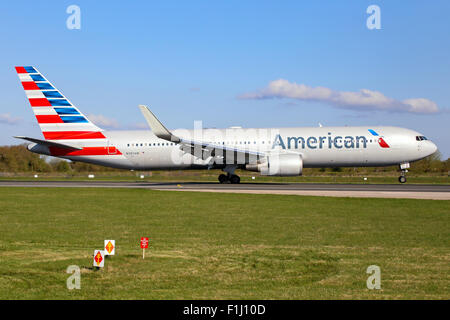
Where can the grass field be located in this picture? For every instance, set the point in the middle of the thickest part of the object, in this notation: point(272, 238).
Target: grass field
point(221, 246)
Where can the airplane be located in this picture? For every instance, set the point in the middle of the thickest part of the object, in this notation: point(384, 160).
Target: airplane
point(69, 134)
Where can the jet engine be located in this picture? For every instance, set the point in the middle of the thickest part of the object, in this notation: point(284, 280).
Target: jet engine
point(279, 165)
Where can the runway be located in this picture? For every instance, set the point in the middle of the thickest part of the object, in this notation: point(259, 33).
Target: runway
point(408, 191)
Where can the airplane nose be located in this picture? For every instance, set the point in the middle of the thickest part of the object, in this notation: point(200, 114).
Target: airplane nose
point(433, 147)
point(430, 148)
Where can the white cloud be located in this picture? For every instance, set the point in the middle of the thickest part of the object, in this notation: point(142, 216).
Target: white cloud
point(103, 121)
point(8, 119)
point(363, 99)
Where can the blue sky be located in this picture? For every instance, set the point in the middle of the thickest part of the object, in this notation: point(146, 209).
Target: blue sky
point(194, 60)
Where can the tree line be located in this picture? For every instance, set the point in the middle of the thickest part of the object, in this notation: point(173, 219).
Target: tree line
point(17, 159)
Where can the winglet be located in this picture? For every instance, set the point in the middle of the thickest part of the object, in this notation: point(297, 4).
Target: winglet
point(157, 127)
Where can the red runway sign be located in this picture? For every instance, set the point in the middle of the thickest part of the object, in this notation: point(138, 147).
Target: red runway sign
point(144, 243)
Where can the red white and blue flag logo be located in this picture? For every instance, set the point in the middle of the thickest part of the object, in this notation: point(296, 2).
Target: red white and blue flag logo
point(381, 141)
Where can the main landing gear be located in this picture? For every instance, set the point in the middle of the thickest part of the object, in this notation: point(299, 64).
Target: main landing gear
point(404, 169)
point(229, 178)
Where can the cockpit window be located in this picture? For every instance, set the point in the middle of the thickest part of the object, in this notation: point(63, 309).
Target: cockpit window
point(420, 138)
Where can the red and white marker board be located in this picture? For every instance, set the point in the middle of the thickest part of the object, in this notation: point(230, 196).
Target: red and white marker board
point(144, 245)
point(99, 258)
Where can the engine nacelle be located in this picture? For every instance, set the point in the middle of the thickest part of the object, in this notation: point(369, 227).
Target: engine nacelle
point(281, 165)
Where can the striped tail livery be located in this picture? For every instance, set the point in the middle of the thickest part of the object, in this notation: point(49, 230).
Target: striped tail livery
point(67, 132)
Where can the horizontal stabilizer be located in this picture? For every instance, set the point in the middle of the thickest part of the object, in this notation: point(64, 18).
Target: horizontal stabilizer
point(50, 143)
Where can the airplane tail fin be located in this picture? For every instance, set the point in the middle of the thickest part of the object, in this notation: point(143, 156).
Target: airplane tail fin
point(58, 118)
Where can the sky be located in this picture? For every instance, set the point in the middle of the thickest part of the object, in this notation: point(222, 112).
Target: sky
point(233, 63)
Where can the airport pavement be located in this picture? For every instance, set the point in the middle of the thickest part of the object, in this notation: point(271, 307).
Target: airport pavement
point(409, 191)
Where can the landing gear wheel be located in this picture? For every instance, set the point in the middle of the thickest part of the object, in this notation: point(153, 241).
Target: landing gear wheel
point(234, 179)
point(223, 178)
point(403, 170)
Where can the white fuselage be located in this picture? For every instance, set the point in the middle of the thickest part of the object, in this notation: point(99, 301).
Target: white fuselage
point(69, 134)
point(318, 147)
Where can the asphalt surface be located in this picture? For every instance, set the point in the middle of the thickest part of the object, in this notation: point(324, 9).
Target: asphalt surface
point(416, 191)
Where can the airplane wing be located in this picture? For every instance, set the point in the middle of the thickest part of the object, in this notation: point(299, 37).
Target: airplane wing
point(50, 143)
point(200, 149)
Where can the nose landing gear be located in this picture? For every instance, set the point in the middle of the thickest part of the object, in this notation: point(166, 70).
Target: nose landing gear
point(404, 169)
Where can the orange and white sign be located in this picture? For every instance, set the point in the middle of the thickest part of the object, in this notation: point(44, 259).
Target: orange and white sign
point(99, 258)
point(110, 247)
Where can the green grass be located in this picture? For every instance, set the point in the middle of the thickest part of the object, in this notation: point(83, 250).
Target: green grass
point(221, 246)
